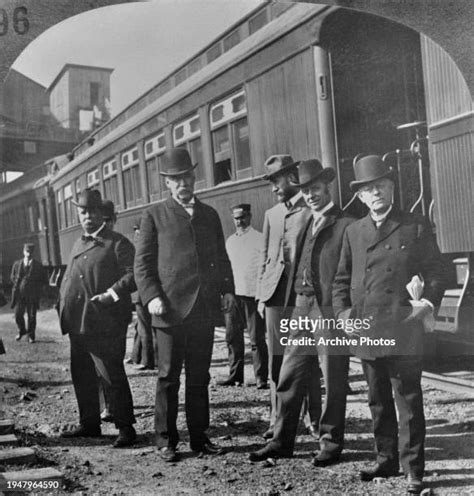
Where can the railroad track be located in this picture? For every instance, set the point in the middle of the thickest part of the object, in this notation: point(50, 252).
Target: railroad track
point(438, 381)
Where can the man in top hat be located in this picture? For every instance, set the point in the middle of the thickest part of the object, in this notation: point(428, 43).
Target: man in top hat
point(283, 230)
point(185, 279)
point(243, 248)
point(381, 253)
point(28, 277)
point(95, 310)
point(310, 281)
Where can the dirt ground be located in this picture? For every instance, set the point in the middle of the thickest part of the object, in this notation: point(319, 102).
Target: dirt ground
point(238, 417)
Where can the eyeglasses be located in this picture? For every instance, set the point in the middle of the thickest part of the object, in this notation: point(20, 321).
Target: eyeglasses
point(381, 184)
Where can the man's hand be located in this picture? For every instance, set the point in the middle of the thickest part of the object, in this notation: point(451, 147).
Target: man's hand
point(157, 306)
point(228, 302)
point(261, 309)
point(103, 299)
point(418, 312)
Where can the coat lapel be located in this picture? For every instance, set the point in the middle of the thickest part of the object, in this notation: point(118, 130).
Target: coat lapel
point(176, 208)
point(391, 223)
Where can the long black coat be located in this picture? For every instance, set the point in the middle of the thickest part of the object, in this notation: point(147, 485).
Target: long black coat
point(93, 268)
point(179, 257)
point(30, 285)
point(373, 271)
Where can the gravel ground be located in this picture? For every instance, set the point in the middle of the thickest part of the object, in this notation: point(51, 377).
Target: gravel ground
point(238, 417)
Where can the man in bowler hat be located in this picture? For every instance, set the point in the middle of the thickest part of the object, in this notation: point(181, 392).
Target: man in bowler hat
point(283, 230)
point(28, 277)
point(243, 248)
point(185, 279)
point(381, 253)
point(95, 310)
point(310, 282)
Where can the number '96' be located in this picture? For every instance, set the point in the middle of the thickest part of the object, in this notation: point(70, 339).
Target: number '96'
point(18, 21)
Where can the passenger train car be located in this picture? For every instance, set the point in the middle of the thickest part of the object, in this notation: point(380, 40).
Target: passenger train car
point(308, 80)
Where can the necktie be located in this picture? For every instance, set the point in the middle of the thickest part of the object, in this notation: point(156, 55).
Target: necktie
point(87, 238)
point(288, 205)
point(316, 224)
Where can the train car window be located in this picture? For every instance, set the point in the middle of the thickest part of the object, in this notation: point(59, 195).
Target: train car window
point(111, 187)
point(194, 66)
point(69, 217)
point(231, 40)
point(59, 210)
point(230, 139)
point(214, 52)
point(32, 219)
point(154, 148)
point(180, 76)
point(258, 21)
point(132, 178)
point(187, 134)
point(93, 178)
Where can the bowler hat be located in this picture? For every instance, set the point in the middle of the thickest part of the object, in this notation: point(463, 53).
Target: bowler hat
point(278, 164)
point(108, 209)
point(240, 210)
point(368, 169)
point(29, 247)
point(310, 171)
point(89, 198)
point(176, 162)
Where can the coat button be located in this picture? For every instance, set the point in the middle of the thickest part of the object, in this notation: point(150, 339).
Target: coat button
point(387, 247)
point(81, 276)
point(402, 247)
point(367, 291)
point(85, 256)
point(367, 269)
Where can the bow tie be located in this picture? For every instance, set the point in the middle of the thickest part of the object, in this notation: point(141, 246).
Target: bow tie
point(87, 238)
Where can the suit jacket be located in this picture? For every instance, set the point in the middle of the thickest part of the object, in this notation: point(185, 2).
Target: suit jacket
point(373, 271)
point(324, 257)
point(179, 257)
point(283, 231)
point(93, 268)
point(27, 282)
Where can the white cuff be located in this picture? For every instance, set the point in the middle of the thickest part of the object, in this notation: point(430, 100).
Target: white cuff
point(114, 295)
point(428, 302)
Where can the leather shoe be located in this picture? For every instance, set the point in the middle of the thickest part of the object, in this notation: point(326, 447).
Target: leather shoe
point(229, 382)
point(268, 434)
point(414, 485)
point(209, 448)
point(262, 385)
point(18, 337)
point(378, 470)
point(127, 436)
point(323, 459)
point(268, 452)
point(168, 454)
point(31, 340)
point(82, 431)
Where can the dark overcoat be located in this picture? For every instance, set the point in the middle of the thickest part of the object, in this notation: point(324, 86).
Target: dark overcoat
point(179, 257)
point(373, 271)
point(30, 285)
point(94, 267)
point(324, 256)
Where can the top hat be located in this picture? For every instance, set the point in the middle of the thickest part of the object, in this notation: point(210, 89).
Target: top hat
point(310, 171)
point(176, 162)
point(278, 164)
point(29, 247)
point(89, 198)
point(108, 209)
point(368, 169)
point(240, 210)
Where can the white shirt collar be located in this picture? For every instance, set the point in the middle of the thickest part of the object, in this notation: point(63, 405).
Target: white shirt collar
point(379, 218)
point(293, 200)
point(96, 233)
point(245, 231)
point(319, 213)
